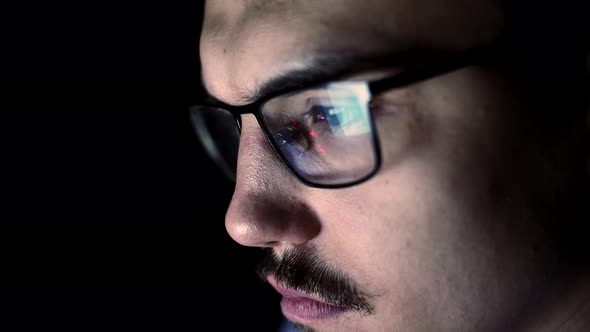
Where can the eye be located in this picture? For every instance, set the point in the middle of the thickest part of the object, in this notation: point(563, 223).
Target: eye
point(317, 113)
point(308, 131)
point(339, 117)
point(293, 135)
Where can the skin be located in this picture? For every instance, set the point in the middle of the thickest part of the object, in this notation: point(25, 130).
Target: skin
point(459, 229)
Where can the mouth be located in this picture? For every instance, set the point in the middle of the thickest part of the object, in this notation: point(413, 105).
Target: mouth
point(301, 307)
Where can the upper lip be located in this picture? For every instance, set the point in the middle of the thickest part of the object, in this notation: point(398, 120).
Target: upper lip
point(290, 293)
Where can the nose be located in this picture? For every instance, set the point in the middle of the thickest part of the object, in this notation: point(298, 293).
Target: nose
point(268, 208)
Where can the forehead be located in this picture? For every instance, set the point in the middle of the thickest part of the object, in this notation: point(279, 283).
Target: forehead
point(247, 42)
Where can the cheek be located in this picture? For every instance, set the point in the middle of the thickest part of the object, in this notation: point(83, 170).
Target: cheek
point(413, 248)
point(391, 244)
point(422, 235)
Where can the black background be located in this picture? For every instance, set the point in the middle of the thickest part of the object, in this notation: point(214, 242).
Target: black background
point(112, 215)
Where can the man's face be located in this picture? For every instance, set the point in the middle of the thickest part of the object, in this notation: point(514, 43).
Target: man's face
point(441, 239)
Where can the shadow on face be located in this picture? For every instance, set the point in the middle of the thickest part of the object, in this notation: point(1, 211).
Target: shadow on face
point(465, 217)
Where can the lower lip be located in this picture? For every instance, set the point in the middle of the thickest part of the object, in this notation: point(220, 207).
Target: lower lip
point(305, 309)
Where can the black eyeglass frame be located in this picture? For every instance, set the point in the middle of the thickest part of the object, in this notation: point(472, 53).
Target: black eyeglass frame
point(399, 80)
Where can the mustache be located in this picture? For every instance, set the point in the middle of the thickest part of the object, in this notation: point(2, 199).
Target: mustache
point(301, 269)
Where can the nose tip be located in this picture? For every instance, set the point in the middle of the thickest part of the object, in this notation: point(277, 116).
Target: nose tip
point(264, 221)
point(243, 233)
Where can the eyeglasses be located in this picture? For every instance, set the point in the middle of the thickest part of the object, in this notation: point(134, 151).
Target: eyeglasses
point(325, 134)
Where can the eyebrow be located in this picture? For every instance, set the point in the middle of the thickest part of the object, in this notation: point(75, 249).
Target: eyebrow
point(318, 69)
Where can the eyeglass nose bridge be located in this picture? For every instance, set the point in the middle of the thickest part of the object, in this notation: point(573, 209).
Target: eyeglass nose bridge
point(238, 118)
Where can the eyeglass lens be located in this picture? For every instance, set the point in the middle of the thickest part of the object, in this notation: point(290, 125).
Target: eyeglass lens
point(220, 135)
point(324, 134)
